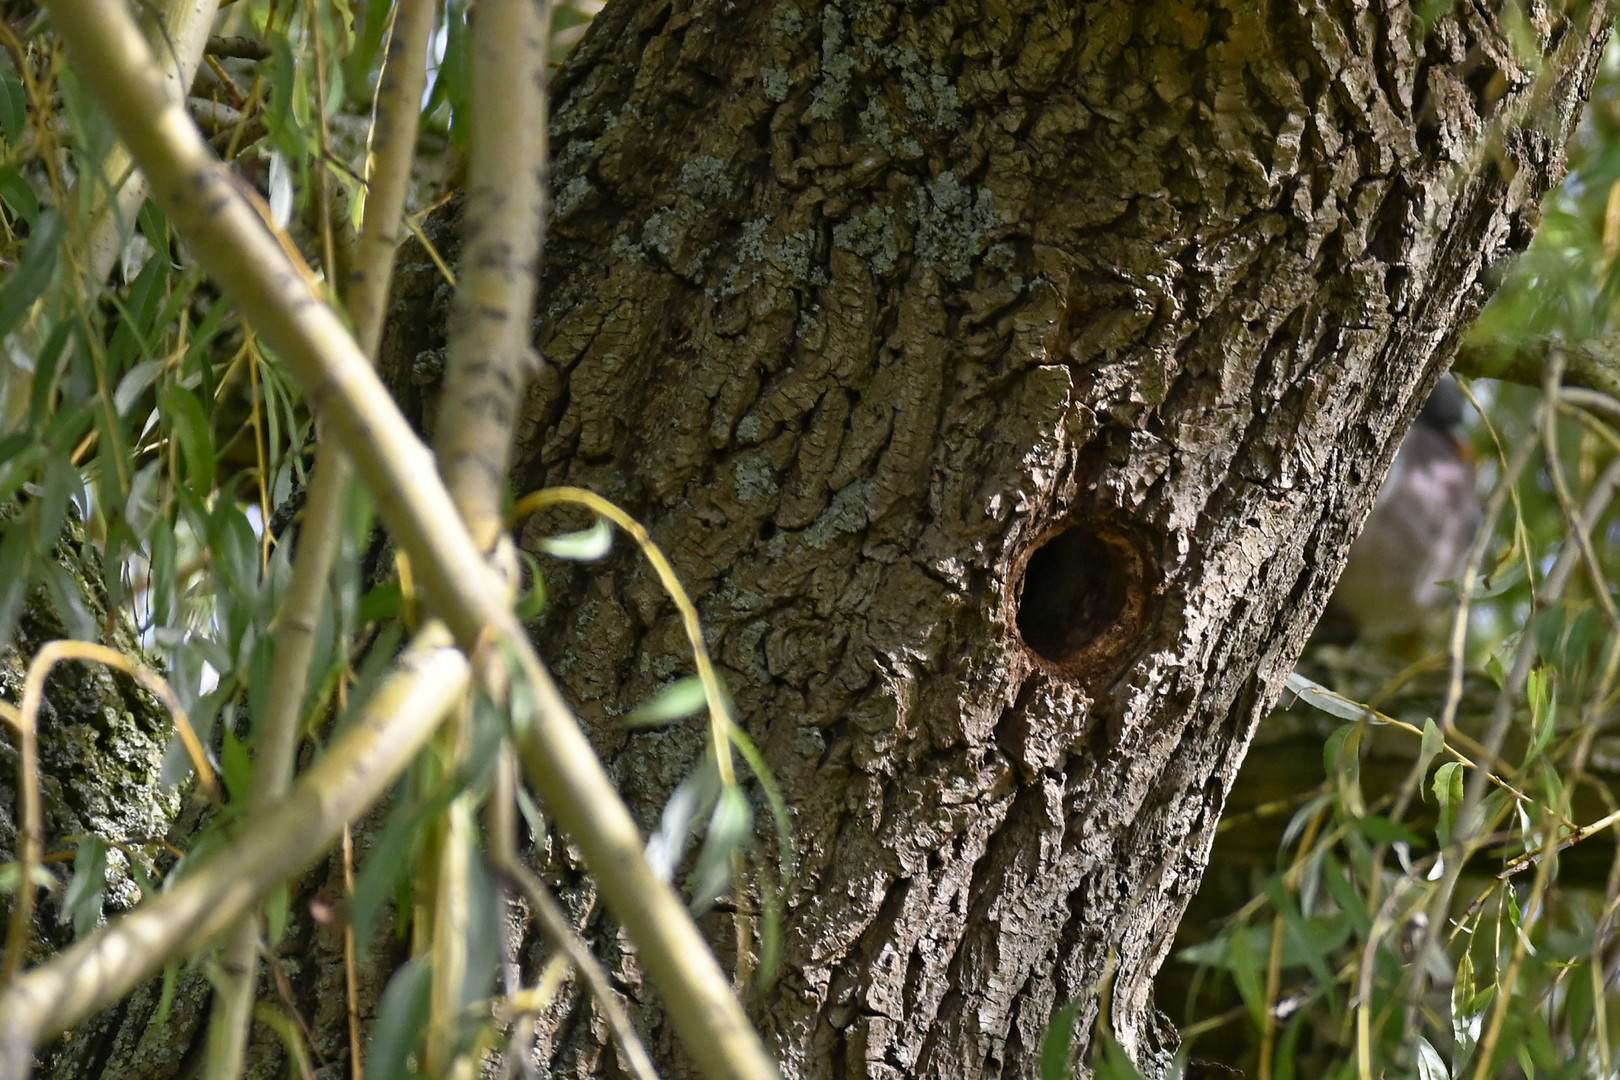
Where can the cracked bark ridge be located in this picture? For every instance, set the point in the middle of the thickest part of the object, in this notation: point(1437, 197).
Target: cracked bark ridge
point(1006, 383)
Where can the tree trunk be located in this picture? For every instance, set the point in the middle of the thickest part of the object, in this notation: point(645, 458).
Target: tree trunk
point(1006, 383)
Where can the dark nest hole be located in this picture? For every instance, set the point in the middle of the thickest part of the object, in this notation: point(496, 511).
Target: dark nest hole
point(1081, 596)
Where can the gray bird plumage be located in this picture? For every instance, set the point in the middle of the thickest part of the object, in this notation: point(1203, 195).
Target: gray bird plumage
point(1419, 530)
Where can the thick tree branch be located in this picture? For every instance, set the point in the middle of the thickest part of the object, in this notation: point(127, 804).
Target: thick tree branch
point(1593, 364)
point(490, 358)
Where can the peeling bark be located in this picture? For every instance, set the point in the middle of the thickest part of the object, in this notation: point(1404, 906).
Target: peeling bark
point(1006, 383)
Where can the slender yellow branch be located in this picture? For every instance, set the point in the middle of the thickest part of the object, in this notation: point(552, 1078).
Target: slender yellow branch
point(31, 812)
point(490, 358)
point(721, 723)
point(356, 769)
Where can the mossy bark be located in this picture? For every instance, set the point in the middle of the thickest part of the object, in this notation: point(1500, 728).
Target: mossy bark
point(102, 740)
point(1006, 382)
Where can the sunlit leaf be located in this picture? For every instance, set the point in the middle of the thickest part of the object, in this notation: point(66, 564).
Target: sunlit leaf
point(731, 827)
point(587, 545)
point(694, 797)
point(1429, 1064)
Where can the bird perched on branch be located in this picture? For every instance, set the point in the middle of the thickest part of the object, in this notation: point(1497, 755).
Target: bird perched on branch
point(1418, 533)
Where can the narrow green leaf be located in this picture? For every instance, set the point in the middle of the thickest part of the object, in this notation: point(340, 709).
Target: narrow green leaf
point(1309, 941)
point(533, 599)
point(389, 862)
point(400, 1021)
point(280, 117)
point(680, 699)
point(1320, 697)
point(18, 195)
point(484, 932)
point(93, 134)
point(81, 900)
point(236, 765)
point(155, 227)
point(1429, 1064)
point(161, 571)
point(1114, 1063)
point(171, 979)
point(1434, 741)
point(1344, 893)
point(533, 817)
point(693, 797)
point(1247, 976)
point(1448, 793)
point(13, 101)
point(67, 601)
point(134, 384)
point(189, 424)
point(1057, 1047)
point(140, 316)
point(40, 401)
point(276, 908)
point(454, 72)
point(61, 488)
point(731, 826)
point(16, 573)
point(361, 61)
point(380, 603)
point(28, 282)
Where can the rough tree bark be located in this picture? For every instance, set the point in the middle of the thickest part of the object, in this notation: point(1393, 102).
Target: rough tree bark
point(1006, 382)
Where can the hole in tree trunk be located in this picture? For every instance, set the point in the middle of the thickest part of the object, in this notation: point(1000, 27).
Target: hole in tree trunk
point(1081, 598)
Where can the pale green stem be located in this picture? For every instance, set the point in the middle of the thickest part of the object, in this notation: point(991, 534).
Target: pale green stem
point(490, 361)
